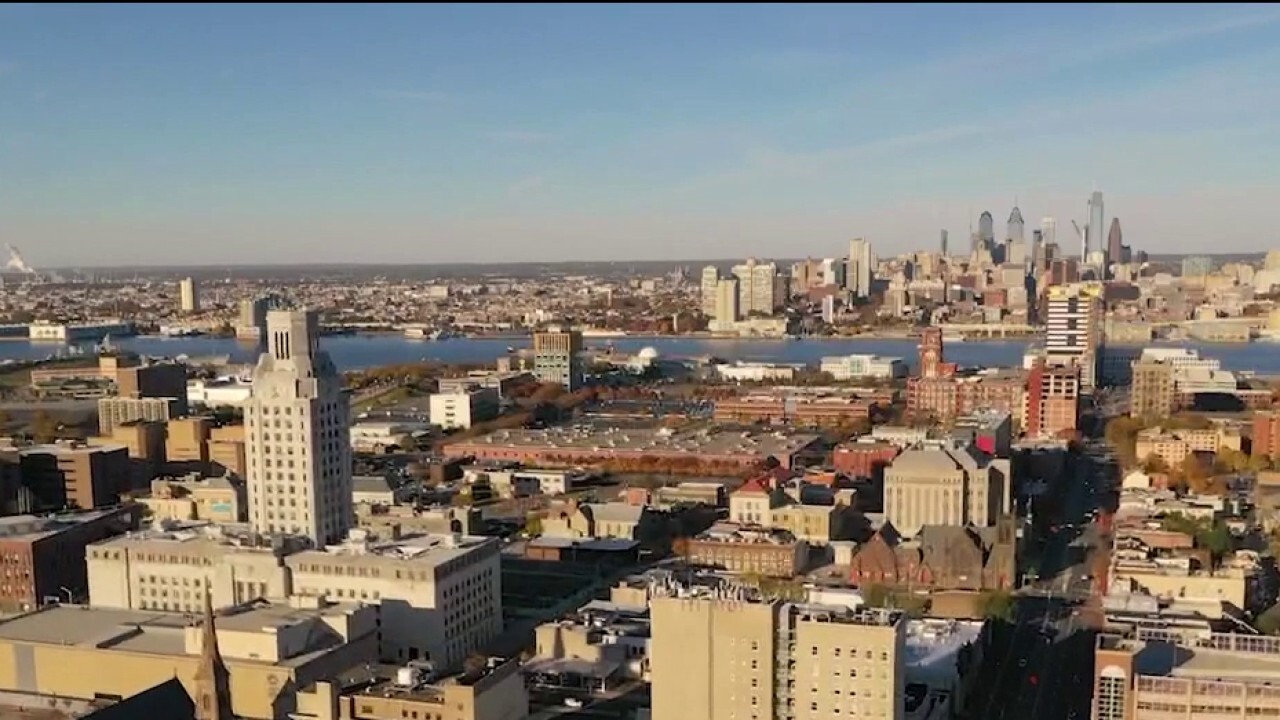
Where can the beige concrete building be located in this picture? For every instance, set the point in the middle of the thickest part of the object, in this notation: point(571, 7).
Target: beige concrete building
point(943, 486)
point(113, 411)
point(388, 521)
point(185, 440)
point(268, 651)
point(1173, 446)
point(440, 594)
point(194, 497)
point(226, 451)
point(86, 475)
point(736, 658)
point(144, 443)
point(1176, 674)
point(464, 408)
point(296, 430)
point(494, 692)
point(188, 295)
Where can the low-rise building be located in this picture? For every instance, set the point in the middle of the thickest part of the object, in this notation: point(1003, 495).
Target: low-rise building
point(493, 690)
point(43, 556)
point(1173, 446)
point(748, 549)
point(858, 367)
point(73, 474)
point(195, 497)
point(463, 409)
point(113, 411)
point(268, 650)
point(378, 435)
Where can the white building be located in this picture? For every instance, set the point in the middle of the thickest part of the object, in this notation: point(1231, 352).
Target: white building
point(709, 287)
point(377, 435)
point(299, 463)
point(189, 295)
point(440, 595)
point(1073, 332)
point(218, 393)
point(756, 372)
point(758, 287)
point(855, 367)
point(463, 409)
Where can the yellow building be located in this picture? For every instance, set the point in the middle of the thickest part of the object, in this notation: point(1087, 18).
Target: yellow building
point(216, 499)
point(226, 451)
point(83, 652)
point(1173, 446)
point(186, 440)
point(731, 657)
point(494, 691)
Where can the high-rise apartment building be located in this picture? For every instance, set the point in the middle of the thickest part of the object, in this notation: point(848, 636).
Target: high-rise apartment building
point(189, 295)
point(730, 657)
point(252, 323)
point(1153, 393)
point(710, 281)
point(943, 248)
point(727, 309)
point(860, 268)
point(759, 286)
point(1266, 435)
point(296, 435)
point(557, 357)
point(1074, 329)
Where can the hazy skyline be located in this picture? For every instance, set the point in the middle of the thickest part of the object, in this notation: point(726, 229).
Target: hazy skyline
point(242, 134)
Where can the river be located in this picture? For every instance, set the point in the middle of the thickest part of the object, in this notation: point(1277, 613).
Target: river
point(355, 352)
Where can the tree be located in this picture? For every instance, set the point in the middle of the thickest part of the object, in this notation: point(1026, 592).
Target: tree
point(44, 428)
point(876, 595)
point(996, 604)
point(533, 524)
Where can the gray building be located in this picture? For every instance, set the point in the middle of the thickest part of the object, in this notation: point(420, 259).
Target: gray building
point(557, 357)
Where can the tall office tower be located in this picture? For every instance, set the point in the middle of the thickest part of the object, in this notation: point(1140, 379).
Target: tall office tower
point(1016, 227)
point(987, 229)
point(757, 287)
point(1073, 334)
point(1049, 229)
point(1037, 250)
point(727, 308)
point(296, 439)
point(189, 295)
point(1117, 251)
point(729, 655)
point(557, 357)
point(859, 276)
point(1096, 222)
point(944, 243)
point(710, 279)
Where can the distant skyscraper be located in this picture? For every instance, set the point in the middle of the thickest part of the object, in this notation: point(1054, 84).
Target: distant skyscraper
point(1116, 250)
point(944, 243)
point(859, 277)
point(987, 230)
point(189, 294)
point(829, 309)
point(758, 287)
point(296, 435)
point(1097, 219)
point(727, 308)
point(1017, 228)
point(710, 279)
point(1037, 249)
point(1049, 230)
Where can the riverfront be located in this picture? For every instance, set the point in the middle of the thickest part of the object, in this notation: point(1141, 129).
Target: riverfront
point(357, 352)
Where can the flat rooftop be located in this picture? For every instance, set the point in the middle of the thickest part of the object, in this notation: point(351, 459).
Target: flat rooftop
point(35, 527)
point(154, 632)
point(705, 441)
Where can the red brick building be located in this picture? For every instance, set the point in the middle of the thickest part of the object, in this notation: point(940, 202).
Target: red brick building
point(863, 459)
point(940, 392)
point(1266, 434)
point(43, 557)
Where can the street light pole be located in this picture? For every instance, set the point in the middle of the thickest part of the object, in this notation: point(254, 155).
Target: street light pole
point(70, 597)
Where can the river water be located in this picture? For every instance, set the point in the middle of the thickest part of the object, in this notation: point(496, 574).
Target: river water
point(355, 352)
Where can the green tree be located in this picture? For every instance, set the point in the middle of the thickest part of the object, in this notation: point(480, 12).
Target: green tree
point(44, 428)
point(996, 604)
point(533, 524)
point(876, 595)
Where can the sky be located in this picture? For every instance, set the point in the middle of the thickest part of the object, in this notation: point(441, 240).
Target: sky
point(245, 134)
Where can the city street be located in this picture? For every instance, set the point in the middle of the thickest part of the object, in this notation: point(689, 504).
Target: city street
point(1042, 663)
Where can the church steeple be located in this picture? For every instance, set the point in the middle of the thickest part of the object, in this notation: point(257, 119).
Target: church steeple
point(212, 696)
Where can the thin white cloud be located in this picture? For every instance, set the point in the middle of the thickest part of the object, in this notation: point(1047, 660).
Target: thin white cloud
point(520, 137)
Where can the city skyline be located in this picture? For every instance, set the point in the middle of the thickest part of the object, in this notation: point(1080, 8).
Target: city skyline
point(205, 135)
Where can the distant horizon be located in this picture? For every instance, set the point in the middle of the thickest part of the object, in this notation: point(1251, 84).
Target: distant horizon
point(396, 134)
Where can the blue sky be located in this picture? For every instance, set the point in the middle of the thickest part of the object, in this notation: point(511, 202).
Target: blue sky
point(245, 134)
